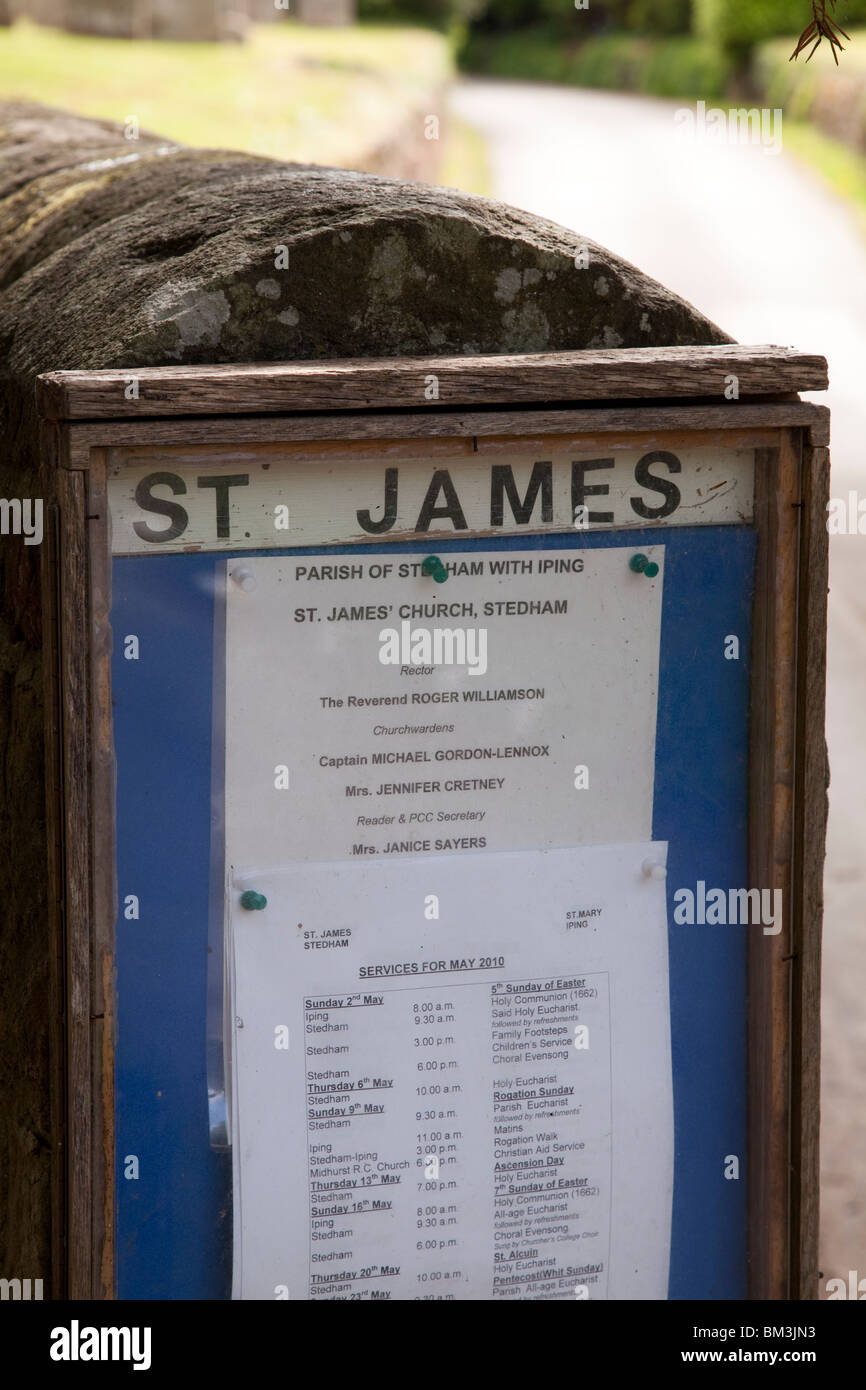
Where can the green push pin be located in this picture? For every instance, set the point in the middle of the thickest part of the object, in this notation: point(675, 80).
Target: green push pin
point(253, 902)
point(641, 564)
point(434, 566)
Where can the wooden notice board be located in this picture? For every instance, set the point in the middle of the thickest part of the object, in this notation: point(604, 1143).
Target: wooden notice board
point(436, 784)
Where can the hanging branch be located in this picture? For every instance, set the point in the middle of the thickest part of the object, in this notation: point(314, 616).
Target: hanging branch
point(822, 27)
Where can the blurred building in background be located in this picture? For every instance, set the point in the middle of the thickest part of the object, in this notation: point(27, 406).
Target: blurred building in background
point(327, 11)
point(208, 21)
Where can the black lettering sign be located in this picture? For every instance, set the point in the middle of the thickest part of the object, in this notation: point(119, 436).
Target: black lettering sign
point(580, 489)
point(179, 519)
point(441, 482)
point(502, 485)
point(389, 515)
point(221, 486)
point(669, 490)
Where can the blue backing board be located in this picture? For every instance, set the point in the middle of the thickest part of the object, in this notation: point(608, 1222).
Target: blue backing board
point(174, 1219)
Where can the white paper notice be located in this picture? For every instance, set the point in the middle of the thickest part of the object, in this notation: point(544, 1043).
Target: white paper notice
point(543, 737)
point(452, 1077)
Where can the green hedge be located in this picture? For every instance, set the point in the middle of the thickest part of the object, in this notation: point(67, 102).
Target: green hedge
point(531, 56)
point(561, 18)
point(675, 67)
point(733, 24)
point(658, 18)
point(687, 68)
point(556, 18)
point(739, 24)
point(614, 61)
point(434, 14)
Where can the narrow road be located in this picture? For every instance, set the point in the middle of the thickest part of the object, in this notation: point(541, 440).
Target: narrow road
point(756, 241)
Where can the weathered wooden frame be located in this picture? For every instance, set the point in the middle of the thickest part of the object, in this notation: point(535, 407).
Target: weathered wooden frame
point(656, 397)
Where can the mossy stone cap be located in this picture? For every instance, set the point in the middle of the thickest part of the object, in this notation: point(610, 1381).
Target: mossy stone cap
point(141, 253)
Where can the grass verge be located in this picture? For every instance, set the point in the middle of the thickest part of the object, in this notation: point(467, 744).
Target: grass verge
point(290, 92)
point(843, 170)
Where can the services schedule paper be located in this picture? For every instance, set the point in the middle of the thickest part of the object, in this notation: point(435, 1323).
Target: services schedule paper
point(473, 1105)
